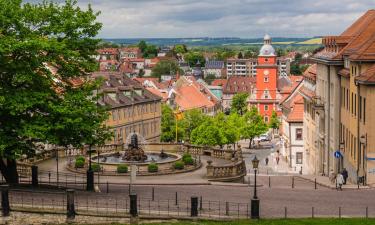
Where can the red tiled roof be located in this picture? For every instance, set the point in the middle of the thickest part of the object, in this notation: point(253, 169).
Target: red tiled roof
point(368, 76)
point(310, 72)
point(219, 82)
point(238, 84)
point(306, 92)
point(161, 94)
point(344, 72)
point(113, 51)
point(296, 106)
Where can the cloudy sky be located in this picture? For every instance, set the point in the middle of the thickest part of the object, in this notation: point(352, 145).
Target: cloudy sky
point(226, 18)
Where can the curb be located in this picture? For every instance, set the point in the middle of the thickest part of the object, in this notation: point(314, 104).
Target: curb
point(334, 188)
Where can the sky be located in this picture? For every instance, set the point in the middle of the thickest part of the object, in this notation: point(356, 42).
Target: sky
point(225, 18)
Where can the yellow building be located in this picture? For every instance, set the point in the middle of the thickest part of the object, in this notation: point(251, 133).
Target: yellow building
point(132, 108)
point(353, 54)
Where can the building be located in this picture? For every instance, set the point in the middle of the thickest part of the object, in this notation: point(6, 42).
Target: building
point(186, 94)
point(248, 67)
point(215, 68)
point(344, 92)
point(312, 155)
point(292, 129)
point(132, 108)
point(129, 53)
point(234, 85)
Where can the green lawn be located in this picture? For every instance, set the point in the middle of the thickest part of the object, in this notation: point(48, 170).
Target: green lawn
point(282, 222)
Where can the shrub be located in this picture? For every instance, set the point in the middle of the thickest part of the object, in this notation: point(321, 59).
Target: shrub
point(81, 158)
point(179, 165)
point(188, 161)
point(79, 163)
point(122, 168)
point(95, 167)
point(185, 156)
point(152, 168)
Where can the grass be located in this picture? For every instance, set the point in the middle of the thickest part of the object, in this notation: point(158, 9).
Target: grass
point(313, 41)
point(316, 221)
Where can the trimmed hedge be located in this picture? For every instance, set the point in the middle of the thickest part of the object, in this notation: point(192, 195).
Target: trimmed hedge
point(81, 158)
point(185, 156)
point(188, 161)
point(95, 167)
point(153, 167)
point(179, 165)
point(122, 168)
point(79, 163)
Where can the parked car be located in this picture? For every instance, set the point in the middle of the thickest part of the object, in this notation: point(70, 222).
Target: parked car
point(262, 138)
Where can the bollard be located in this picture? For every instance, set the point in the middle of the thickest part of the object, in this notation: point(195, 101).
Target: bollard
point(70, 211)
point(315, 183)
point(176, 202)
point(312, 212)
point(153, 194)
point(340, 212)
point(269, 181)
point(34, 176)
point(201, 203)
point(49, 177)
point(133, 209)
point(107, 187)
point(89, 180)
point(293, 182)
point(5, 208)
point(194, 207)
point(285, 212)
point(227, 208)
point(366, 212)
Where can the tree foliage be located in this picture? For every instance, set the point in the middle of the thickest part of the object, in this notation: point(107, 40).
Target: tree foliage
point(180, 49)
point(168, 126)
point(194, 57)
point(208, 134)
point(165, 67)
point(36, 104)
point(254, 125)
point(274, 121)
point(239, 103)
point(148, 51)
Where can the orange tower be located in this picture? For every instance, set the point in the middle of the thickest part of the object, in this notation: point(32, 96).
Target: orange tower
point(266, 80)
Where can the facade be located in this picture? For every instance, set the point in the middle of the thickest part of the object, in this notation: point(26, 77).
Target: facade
point(266, 96)
point(131, 107)
point(130, 53)
point(345, 83)
point(312, 155)
point(248, 67)
point(215, 68)
point(234, 85)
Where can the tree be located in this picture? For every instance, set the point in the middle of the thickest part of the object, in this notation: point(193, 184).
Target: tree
point(150, 51)
point(274, 121)
point(209, 78)
point(240, 56)
point(239, 104)
point(142, 45)
point(165, 67)
point(229, 127)
point(207, 134)
point(194, 57)
point(38, 105)
point(168, 125)
point(191, 120)
point(179, 49)
point(254, 125)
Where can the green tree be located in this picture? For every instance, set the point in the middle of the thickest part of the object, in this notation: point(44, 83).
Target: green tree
point(168, 125)
point(229, 127)
point(179, 49)
point(274, 121)
point(165, 67)
point(193, 58)
point(254, 125)
point(209, 78)
point(207, 134)
point(191, 120)
point(150, 51)
point(239, 103)
point(240, 56)
point(142, 45)
point(38, 105)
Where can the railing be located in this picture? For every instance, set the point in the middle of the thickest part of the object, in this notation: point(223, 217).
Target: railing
point(234, 171)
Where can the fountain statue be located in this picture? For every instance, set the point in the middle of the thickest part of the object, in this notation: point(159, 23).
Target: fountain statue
point(134, 152)
point(163, 155)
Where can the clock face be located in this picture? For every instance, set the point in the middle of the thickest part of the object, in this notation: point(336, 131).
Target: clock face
point(266, 72)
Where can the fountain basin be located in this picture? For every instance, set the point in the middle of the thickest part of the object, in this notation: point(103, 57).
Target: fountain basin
point(152, 157)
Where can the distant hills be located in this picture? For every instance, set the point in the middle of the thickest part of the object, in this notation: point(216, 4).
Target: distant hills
point(206, 41)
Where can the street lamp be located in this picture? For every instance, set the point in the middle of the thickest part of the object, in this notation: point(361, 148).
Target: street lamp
point(255, 200)
point(90, 174)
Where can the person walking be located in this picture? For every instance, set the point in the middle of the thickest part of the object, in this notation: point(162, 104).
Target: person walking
point(345, 175)
point(267, 161)
point(339, 181)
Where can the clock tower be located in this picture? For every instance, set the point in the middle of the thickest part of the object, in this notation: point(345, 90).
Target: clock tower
point(266, 80)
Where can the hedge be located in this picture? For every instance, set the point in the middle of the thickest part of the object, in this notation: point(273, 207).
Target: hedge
point(122, 168)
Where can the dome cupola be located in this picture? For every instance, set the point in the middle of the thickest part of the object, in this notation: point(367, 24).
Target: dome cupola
point(267, 49)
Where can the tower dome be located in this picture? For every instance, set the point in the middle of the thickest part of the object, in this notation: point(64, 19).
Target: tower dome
point(267, 49)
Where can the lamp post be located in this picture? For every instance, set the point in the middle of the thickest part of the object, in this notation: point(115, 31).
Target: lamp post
point(362, 156)
point(90, 174)
point(255, 200)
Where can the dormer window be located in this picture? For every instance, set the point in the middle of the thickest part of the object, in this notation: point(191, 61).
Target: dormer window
point(346, 63)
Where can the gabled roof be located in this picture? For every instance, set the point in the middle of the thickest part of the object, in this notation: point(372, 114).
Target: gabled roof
point(219, 82)
point(310, 72)
point(239, 84)
point(367, 77)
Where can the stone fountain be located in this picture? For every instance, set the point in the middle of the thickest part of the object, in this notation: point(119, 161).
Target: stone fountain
point(134, 152)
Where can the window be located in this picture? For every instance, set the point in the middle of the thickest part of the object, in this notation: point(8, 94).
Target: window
point(266, 119)
point(266, 108)
point(265, 79)
point(266, 93)
point(299, 157)
point(355, 104)
point(364, 110)
point(298, 133)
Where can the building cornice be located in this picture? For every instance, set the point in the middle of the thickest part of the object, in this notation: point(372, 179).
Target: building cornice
point(328, 61)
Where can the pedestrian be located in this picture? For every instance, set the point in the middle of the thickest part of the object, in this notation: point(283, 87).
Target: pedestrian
point(345, 175)
point(277, 160)
point(339, 181)
point(332, 177)
point(267, 161)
